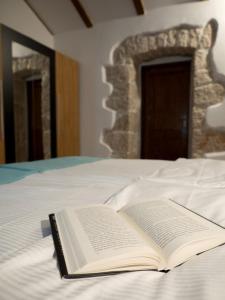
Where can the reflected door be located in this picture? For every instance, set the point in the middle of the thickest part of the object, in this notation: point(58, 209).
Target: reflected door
point(31, 104)
point(35, 132)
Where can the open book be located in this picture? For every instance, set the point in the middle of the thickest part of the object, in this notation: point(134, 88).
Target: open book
point(151, 235)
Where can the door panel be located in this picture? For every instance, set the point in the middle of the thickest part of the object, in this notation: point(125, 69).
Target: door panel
point(165, 110)
point(68, 129)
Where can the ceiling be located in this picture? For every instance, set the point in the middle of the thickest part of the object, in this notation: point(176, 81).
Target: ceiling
point(65, 15)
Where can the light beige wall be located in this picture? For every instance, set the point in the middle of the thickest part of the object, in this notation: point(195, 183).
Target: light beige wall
point(18, 16)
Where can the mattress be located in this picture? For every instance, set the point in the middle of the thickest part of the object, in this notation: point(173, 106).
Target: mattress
point(30, 191)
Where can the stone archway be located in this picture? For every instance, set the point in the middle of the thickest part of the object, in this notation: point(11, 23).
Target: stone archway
point(124, 137)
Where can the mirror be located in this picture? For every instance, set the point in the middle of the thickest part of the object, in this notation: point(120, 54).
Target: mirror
point(31, 105)
point(28, 97)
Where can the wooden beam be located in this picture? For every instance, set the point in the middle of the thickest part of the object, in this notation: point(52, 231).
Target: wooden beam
point(83, 14)
point(39, 17)
point(139, 6)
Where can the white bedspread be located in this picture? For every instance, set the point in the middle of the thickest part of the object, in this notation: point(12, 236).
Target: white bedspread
point(28, 267)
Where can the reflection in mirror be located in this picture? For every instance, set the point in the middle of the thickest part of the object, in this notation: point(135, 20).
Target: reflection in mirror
point(31, 102)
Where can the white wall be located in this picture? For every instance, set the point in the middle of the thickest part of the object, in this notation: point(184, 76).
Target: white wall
point(92, 47)
point(19, 50)
point(18, 16)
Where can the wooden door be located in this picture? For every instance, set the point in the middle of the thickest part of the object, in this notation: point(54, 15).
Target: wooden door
point(67, 106)
point(165, 110)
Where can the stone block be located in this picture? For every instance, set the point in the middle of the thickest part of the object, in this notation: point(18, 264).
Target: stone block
point(128, 121)
point(119, 56)
point(194, 38)
point(131, 46)
point(117, 140)
point(208, 95)
point(152, 45)
point(119, 104)
point(200, 59)
point(162, 40)
point(172, 38)
point(121, 142)
point(182, 38)
point(142, 42)
point(202, 77)
point(118, 74)
point(207, 37)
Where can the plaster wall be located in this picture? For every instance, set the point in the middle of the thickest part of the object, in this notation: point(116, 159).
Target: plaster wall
point(93, 48)
point(18, 16)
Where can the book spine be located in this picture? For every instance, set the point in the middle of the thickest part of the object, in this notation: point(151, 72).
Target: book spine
point(58, 246)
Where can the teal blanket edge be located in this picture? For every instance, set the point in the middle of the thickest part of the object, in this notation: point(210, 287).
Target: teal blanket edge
point(16, 171)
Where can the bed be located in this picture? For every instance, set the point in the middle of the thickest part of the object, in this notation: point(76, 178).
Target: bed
point(30, 191)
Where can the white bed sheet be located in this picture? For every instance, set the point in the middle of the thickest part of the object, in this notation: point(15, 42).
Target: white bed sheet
point(28, 268)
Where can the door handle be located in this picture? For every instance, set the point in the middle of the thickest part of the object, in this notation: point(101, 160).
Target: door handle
point(184, 122)
point(184, 125)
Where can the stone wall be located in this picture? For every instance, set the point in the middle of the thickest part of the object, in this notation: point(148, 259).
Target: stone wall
point(24, 67)
point(197, 42)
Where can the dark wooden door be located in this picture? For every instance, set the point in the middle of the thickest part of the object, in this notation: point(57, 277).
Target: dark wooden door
point(165, 110)
point(35, 130)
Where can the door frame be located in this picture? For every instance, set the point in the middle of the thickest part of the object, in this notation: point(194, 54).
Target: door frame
point(169, 60)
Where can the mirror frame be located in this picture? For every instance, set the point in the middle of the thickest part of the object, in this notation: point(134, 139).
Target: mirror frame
point(8, 36)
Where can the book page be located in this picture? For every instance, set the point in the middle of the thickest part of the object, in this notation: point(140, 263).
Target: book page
point(169, 225)
point(98, 233)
